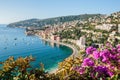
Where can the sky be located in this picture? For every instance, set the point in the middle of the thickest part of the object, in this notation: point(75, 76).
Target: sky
point(16, 10)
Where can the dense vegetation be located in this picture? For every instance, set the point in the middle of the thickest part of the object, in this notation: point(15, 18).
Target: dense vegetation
point(52, 21)
point(72, 33)
point(20, 69)
point(94, 64)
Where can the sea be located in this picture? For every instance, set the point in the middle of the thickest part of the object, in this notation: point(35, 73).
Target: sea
point(14, 42)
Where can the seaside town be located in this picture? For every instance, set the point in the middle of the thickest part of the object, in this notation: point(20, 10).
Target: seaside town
point(94, 31)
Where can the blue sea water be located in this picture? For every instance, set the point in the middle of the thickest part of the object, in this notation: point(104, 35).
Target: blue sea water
point(14, 42)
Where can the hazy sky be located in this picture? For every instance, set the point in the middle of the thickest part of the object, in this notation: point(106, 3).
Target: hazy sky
point(15, 10)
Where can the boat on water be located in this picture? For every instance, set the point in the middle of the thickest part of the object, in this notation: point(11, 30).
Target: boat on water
point(5, 48)
point(15, 38)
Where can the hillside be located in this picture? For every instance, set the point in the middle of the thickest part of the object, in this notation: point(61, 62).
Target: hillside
point(52, 21)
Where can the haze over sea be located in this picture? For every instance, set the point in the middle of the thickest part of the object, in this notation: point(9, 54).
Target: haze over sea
point(13, 42)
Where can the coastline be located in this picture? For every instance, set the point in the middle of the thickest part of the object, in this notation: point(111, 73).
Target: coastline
point(74, 53)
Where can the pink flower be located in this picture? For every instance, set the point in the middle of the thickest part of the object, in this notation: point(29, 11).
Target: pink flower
point(108, 45)
point(104, 59)
point(87, 62)
point(106, 66)
point(118, 50)
point(80, 69)
point(96, 54)
point(90, 50)
point(105, 52)
point(112, 67)
point(113, 57)
point(113, 50)
point(101, 70)
point(118, 46)
point(110, 73)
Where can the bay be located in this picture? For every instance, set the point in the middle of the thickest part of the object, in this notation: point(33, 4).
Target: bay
point(14, 42)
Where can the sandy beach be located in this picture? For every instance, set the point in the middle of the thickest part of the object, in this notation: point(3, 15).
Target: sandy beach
point(75, 51)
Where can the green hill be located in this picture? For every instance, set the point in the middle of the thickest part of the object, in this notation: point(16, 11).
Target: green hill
point(52, 21)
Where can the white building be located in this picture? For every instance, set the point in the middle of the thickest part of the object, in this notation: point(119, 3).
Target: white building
point(81, 42)
point(118, 28)
point(106, 27)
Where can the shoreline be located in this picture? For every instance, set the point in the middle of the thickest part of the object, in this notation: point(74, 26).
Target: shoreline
point(74, 53)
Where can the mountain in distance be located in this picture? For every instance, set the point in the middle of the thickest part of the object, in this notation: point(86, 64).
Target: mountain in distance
point(52, 21)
